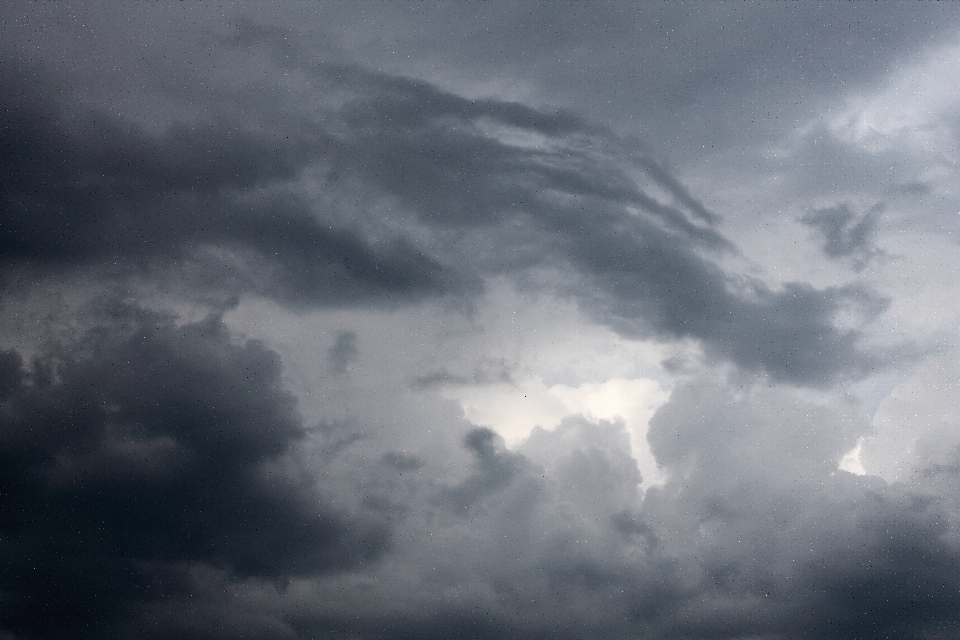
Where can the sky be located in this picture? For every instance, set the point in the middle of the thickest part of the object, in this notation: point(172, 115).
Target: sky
point(481, 320)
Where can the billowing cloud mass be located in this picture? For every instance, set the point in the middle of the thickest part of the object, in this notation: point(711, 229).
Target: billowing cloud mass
point(318, 322)
point(144, 453)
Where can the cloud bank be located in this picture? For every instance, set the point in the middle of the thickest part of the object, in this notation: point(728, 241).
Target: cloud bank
point(242, 342)
point(455, 191)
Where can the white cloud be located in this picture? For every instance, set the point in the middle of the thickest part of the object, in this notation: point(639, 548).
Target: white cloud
point(851, 461)
point(515, 410)
point(918, 424)
point(908, 110)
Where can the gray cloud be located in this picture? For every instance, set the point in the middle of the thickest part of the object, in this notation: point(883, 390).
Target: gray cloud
point(157, 479)
point(487, 371)
point(684, 75)
point(481, 187)
point(755, 481)
point(81, 188)
point(753, 531)
point(144, 453)
point(637, 263)
point(845, 234)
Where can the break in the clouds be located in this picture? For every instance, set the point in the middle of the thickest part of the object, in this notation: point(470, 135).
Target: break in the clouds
point(318, 322)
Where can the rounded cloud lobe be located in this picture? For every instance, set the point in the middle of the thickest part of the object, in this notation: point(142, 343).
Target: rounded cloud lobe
point(144, 453)
point(751, 535)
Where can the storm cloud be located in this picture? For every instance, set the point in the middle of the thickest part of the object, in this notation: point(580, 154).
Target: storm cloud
point(416, 320)
point(478, 188)
point(81, 188)
point(142, 453)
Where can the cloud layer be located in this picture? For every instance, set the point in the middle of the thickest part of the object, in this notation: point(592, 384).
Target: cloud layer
point(250, 305)
point(451, 190)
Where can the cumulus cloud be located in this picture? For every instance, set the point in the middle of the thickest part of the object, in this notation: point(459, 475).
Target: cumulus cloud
point(917, 426)
point(768, 516)
point(143, 454)
point(755, 533)
point(159, 482)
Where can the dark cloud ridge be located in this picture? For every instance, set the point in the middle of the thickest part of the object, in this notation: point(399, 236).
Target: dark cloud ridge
point(492, 187)
point(80, 188)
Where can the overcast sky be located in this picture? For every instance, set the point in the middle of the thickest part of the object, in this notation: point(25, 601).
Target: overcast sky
point(490, 320)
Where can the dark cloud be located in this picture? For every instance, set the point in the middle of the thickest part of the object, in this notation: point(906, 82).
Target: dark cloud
point(495, 468)
point(514, 189)
point(142, 454)
point(81, 188)
point(845, 234)
point(447, 190)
